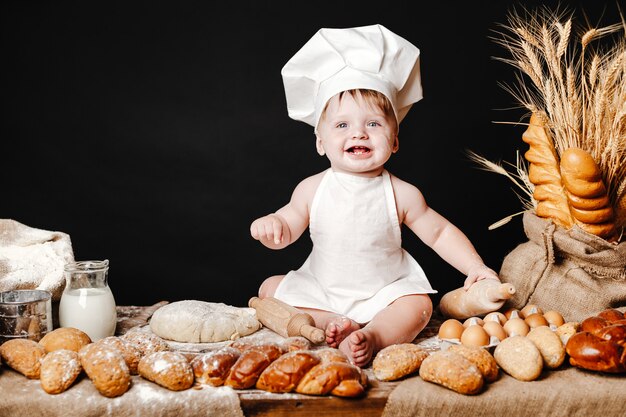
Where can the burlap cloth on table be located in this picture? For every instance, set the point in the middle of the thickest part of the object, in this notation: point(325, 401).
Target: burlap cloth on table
point(32, 258)
point(568, 392)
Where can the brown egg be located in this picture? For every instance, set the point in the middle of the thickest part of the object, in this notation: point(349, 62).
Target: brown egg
point(554, 317)
point(472, 321)
point(495, 316)
point(516, 326)
point(451, 329)
point(530, 309)
point(475, 335)
point(512, 312)
point(493, 328)
point(535, 320)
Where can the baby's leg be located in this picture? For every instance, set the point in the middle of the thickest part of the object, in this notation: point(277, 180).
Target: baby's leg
point(399, 322)
point(337, 327)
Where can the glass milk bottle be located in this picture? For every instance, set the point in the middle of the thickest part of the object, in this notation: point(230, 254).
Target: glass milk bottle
point(87, 302)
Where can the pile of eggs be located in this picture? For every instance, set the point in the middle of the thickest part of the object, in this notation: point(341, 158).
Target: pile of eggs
point(497, 326)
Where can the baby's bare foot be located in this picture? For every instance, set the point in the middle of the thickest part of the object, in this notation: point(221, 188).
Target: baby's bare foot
point(338, 328)
point(359, 346)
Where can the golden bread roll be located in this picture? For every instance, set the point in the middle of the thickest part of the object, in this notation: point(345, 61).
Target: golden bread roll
point(453, 371)
point(146, 342)
point(480, 357)
point(284, 373)
point(131, 354)
point(519, 357)
point(170, 370)
point(325, 377)
point(106, 368)
point(296, 343)
point(582, 179)
point(23, 355)
point(544, 173)
point(59, 370)
point(398, 360)
point(549, 345)
point(252, 362)
point(212, 368)
point(65, 338)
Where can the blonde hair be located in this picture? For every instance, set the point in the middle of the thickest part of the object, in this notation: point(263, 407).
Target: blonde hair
point(371, 97)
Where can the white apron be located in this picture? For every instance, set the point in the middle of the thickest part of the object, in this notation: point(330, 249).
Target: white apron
point(357, 266)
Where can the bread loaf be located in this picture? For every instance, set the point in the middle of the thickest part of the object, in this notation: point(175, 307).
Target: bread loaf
point(23, 355)
point(330, 354)
point(106, 368)
point(453, 371)
point(480, 357)
point(549, 344)
point(338, 378)
point(398, 360)
point(131, 354)
point(146, 342)
point(597, 347)
point(59, 370)
point(519, 357)
point(65, 338)
point(544, 173)
point(567, 330)
point(212, 368)
point(247, 369)
point(168, 369)
point(586, 194)
point(284, 373)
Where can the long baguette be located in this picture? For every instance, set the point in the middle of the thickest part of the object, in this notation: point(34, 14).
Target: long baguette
point(586, 194)
point(544, 173)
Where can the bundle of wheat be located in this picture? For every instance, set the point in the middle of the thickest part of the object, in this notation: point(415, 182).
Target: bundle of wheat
point(575, 88)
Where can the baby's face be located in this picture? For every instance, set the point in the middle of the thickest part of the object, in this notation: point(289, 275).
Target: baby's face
point(357, 137)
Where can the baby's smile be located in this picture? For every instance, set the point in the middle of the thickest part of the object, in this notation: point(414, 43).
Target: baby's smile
point(358, 150)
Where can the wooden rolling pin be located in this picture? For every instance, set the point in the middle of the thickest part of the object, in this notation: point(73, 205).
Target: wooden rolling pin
point(481, 298)
point(286, 320)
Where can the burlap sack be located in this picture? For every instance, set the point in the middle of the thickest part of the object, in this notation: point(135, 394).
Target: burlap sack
point(571, 271)
point(32, 258)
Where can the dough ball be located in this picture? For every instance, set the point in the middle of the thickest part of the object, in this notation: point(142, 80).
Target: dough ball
point(193, 321)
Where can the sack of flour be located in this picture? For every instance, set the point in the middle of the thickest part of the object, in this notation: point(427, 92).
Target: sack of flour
point(32, 258)
point(571, 271)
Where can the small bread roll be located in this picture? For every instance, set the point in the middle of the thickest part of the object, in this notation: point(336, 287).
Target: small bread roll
point(23, 355)
point(480, 357)
point(59, 370)
point(326, 377)
point(284, 373)
point(212, 368)
point(295, 343)
point(106, 368)
point(398, 360)
point(168, 369)
point(65, 338)
point(549, 345)
point(131, 354)
point(567, 330)
point(330, 354)
point(519, 357)
point(246, 371)
point(453, 371)
point(146, 342)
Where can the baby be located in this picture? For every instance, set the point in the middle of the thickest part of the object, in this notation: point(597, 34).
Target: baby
point(358, 283)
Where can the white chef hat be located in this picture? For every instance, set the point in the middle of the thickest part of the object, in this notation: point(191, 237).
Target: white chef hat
point(336, 60)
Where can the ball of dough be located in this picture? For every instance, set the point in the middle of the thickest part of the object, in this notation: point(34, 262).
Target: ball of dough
point(193, 321)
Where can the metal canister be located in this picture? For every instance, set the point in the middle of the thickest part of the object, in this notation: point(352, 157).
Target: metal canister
point(25, 314)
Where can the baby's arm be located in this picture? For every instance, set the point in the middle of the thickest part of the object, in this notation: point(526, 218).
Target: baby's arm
point(437, 232)
point(280, 229)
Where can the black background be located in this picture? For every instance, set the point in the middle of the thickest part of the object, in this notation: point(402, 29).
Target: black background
point(153, 133)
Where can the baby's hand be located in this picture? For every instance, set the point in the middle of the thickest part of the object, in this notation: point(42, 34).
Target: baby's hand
point(268, 228)
point(479, 272)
